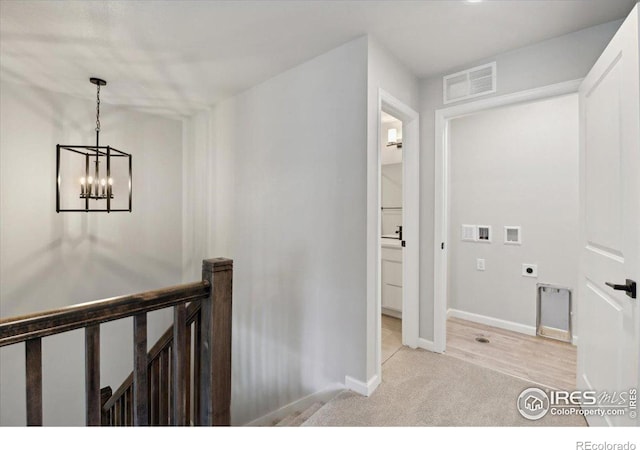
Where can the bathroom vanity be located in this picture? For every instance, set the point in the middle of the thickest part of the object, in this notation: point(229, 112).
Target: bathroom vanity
point(391, 253)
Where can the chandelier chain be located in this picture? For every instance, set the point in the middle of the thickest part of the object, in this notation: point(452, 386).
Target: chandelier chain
point(98, 109)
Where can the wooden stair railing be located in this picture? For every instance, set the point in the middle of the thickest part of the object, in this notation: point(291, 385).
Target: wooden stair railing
point(159, 390)
point(161, 364)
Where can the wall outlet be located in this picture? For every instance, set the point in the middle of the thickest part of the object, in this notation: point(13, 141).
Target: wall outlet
point(480, 264)
point(530, 270)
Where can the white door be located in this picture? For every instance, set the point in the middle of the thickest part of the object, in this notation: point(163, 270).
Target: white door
point(609, 319)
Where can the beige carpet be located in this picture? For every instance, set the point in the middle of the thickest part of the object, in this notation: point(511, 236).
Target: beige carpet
point(421, 388)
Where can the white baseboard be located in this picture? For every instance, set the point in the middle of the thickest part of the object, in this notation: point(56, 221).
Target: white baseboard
point(361, 387)
point(299, 405)
point(426, 345)
point(392, 312)
point(492, 322)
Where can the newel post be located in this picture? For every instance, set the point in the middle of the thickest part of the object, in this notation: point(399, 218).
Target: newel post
point(215, 348)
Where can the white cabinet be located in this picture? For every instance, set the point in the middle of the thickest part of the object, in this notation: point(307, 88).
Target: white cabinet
point(392, 279)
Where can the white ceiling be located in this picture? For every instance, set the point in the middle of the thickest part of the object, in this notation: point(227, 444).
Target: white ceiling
point(175, 57)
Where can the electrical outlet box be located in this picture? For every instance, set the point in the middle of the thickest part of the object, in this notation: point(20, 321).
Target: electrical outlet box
point(530, 270)
point(480, 264)
point(469, 233)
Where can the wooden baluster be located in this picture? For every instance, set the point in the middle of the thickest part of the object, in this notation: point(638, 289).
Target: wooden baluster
point(215, 387)
point(155, 391)
point(140, 365)
point(149, 403)
point(197, 335)
point(126, 420)
point(164, 388)
point(117, 413)
point(105, 395)
point(171, 377)
point(131, 413)
point(187, 391)
point(125, 409)
point(92, 375)
point(34, 381)
point(179, 364)
point(206, 337)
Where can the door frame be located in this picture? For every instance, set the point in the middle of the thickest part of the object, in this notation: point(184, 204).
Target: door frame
point(442, 192)
point(410, 222)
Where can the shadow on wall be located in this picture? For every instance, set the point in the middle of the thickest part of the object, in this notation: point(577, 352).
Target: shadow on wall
point(267, 331)
point(275, 329)
point(51, 260)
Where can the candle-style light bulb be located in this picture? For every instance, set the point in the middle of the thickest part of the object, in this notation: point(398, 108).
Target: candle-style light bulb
point(103, 183)
point(89, 185)
point(82, 184)
point(110, 181)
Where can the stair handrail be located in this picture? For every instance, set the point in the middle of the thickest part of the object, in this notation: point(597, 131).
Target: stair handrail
point(214, 293)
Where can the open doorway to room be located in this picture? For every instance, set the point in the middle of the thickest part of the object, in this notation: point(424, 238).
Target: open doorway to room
point(391, 216)
point(393, 252)
point(510, 215)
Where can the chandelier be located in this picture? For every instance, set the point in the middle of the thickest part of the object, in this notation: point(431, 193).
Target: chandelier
point(101, 171)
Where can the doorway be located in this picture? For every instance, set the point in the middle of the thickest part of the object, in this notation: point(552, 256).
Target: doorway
point(392, 242)
point(508, 198)
point(409, 214)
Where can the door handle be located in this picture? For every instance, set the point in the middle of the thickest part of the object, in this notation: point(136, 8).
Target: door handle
point(629, 287)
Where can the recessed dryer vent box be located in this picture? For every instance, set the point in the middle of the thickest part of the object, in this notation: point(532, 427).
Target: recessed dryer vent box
point(484, 233)
point(554, 312)
point(512, 235)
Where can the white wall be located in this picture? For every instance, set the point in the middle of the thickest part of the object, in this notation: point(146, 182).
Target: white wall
point(50, 260)
point(567, 57)
point(208, 186)
point(516, 165)
point(387, 73)
point(198, 173)
point(288, 203)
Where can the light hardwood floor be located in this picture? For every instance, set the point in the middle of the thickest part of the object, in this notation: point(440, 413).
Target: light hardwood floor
point(391, 336)
point(536, 359)
point(540, 360)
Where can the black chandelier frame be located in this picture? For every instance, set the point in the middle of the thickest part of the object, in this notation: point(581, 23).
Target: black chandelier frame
point(89, 152)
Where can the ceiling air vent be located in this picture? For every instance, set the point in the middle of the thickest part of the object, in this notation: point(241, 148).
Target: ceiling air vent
point(480, 80)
